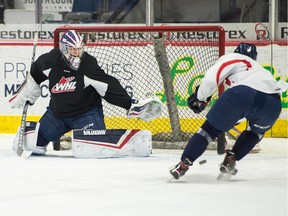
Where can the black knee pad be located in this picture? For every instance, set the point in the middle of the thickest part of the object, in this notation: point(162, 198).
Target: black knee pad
point(211, 130)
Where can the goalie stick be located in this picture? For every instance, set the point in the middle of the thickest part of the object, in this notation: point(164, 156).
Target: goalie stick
point(22, 150)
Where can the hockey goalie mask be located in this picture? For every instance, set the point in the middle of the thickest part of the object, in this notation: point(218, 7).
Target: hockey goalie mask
point(72, 48)
point(247, 49)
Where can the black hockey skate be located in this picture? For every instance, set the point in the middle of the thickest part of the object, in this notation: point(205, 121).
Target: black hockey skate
point(227, 167)
point(181, 168)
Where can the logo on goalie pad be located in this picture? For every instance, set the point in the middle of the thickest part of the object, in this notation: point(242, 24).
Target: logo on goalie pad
point(111, 143)
point(30, 127)
point(94, 132)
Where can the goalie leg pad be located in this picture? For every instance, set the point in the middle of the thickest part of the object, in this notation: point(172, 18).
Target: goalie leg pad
point(111, 143)
point(30, 138)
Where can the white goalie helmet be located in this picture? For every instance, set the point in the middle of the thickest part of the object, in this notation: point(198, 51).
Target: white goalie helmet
point(72, 48)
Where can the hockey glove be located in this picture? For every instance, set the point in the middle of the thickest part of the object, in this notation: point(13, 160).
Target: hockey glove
point(147, 109)
point(196, 105)
point(28, 91)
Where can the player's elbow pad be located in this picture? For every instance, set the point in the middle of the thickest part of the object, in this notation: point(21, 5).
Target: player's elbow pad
point(28, 91)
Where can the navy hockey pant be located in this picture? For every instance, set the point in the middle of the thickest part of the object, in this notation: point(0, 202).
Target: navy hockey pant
point(260, 109)
point(52, 127)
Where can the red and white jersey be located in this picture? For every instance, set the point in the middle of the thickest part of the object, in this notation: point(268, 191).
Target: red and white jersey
point(236, 69)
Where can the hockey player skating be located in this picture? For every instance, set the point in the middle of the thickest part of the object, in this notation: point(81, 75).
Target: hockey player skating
point(251, 92)
point(77, 85)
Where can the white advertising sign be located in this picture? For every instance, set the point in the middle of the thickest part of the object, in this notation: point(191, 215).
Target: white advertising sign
point(47, 5)
point(234, 31)
point(15, 61)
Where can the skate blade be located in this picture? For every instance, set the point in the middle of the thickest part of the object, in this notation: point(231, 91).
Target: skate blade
point(172, 179)
point(255, 151)
point(223, 176)
point(178, 181)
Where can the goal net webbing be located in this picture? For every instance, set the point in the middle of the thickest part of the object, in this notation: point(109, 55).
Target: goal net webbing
point(131, 55)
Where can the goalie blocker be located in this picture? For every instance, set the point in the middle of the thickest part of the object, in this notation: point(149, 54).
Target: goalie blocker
point(111, 143)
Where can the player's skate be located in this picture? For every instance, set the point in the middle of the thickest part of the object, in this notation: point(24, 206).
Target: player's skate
point(256, 149)
point(181, 168)
point(227, 167)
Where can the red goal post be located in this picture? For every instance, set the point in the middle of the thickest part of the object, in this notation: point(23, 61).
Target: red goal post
point(140, 57)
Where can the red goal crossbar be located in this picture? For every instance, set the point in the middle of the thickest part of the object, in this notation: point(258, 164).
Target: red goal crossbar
point(156, 29)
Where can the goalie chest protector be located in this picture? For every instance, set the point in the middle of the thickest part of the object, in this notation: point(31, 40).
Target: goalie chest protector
point(111, 143)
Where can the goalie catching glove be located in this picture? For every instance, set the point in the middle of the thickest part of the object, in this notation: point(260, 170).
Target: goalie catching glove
point(28, 91)
point(196, 105)
point(147, 109)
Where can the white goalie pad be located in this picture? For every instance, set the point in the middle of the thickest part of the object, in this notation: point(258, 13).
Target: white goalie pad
point(111, 143)
point(147, 109)
point(29, 138)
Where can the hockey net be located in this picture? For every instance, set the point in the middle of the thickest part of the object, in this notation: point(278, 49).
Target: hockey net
point(168, 61)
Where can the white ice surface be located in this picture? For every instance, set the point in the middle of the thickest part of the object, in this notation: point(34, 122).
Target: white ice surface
point(60, 185)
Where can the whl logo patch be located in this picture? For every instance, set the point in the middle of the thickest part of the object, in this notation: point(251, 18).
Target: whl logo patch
point(64, 85)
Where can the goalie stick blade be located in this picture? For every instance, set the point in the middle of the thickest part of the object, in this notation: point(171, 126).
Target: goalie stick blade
point(23, 153)
point(19, 151)
point(26, 154)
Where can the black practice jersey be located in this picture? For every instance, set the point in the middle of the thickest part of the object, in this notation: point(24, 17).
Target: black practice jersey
point(76, 92)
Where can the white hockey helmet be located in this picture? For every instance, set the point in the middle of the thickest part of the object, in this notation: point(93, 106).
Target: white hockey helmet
point(72, 48)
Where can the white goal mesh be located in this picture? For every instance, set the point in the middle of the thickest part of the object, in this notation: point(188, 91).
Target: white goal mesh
point(166, 60)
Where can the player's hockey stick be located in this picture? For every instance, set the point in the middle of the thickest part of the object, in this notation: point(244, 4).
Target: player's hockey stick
point(235, 134)
point(221, 140)
point(22, 150)
point(221, 143)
